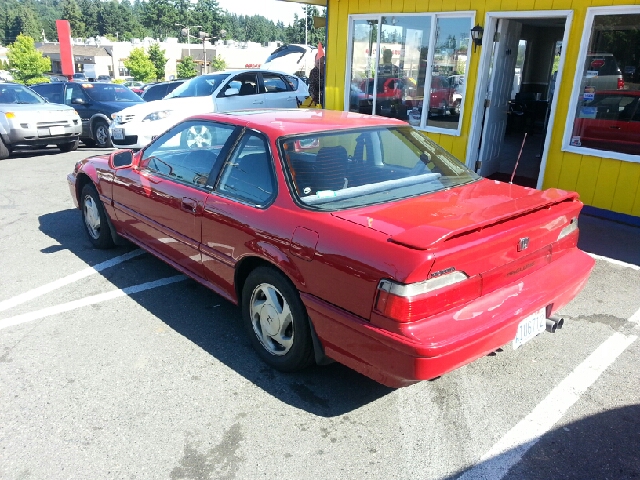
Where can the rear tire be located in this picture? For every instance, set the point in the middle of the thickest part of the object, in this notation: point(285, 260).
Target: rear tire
point(101, 134)
point(276, 321)
point(4, 150)
point(68, 147)
point(94, 218)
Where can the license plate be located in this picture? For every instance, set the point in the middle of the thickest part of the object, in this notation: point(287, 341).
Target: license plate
point(56, 130)
point(530, 327)
point(118, 134)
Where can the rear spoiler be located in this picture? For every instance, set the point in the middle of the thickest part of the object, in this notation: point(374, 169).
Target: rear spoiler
point(426, 237)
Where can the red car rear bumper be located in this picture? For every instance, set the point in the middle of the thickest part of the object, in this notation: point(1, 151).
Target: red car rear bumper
point(434, 346)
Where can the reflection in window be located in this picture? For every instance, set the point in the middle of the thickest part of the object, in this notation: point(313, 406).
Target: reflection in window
point(389, 58)
point(608, 112)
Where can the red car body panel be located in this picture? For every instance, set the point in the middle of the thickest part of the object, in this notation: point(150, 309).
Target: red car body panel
point(336, 260)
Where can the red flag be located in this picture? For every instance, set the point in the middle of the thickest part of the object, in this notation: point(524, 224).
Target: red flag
point(320, 53)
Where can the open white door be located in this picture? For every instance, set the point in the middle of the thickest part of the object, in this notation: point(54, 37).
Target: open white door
point(505, 53)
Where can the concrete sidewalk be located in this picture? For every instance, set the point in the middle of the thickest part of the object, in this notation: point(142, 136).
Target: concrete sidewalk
point(609, 239)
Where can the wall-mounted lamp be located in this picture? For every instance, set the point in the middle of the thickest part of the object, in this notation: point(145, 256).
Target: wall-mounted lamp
point(476, 35)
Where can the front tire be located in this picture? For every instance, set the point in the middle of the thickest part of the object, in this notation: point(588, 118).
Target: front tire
point(68, 147)
point(101, 134)
point(94, 218)
point(4, 150)
point(276, 321)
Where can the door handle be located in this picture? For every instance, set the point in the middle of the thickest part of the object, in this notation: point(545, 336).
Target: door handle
point(614, 127)
point(258, 102)
point(189, 205)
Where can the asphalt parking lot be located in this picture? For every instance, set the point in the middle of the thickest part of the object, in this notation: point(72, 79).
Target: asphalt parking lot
point(113, 365)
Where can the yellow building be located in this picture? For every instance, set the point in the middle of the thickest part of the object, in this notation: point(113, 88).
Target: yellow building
point(565, 73)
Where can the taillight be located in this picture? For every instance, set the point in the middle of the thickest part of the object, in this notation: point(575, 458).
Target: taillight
point(620, 83)
point(407, 303)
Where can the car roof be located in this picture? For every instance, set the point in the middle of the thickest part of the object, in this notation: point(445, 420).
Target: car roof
point(277, 122)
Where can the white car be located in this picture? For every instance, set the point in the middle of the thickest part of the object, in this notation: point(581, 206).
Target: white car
point(136, 126)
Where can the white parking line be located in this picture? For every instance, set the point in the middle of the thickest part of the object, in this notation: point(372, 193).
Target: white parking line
point(509, 450)
point(83, 302)
point(614, 261)
point(74, 277)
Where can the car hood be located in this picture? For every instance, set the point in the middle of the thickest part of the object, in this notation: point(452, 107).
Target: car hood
point(35, 107)
point(183, 105)
point(425, 221)
point(116, 106)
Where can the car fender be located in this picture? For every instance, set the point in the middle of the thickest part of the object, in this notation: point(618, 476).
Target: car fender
point(89, 174)
point(277, 257)
point(98, 116)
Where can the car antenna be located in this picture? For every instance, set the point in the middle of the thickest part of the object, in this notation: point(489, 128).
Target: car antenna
point(518, 159)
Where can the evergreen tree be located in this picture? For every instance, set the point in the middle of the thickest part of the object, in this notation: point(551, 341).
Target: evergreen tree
point(207, 13)
point(71, 12)
point(26, 22)
point(160, 17)
point(156, 55)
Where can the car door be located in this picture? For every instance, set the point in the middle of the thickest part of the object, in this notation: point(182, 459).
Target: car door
point(237, 212)
point(241, 92)
point(75, 97)
point(160, 202)
point(277, 91)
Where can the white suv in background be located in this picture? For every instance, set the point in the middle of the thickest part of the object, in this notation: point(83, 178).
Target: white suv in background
point(136, 126)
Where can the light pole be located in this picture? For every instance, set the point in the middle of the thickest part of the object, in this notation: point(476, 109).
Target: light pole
point(187, 30)
point(203, 36)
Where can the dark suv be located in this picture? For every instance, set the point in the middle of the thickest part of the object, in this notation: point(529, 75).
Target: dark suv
point(156, 91)
point(95, 104)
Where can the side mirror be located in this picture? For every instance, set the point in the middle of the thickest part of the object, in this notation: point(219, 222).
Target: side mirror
point(78, 101)
point(231, 91)
point(121, 158)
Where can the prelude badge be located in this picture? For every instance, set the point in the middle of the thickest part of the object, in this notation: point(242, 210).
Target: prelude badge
point(523, 244)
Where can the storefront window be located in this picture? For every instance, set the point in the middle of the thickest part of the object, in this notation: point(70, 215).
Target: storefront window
point(391, 64)
point(607, 111)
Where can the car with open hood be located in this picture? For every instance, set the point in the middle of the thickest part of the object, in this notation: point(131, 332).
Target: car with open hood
point(344, 237)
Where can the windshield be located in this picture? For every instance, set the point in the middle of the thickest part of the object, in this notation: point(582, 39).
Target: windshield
point(10, 93)
point(353, 168)
point(201, 86)
point(286, 50)
point(105, 92)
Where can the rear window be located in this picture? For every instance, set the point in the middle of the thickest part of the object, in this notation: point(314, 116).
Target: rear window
point(357, 167)
point(105, 92)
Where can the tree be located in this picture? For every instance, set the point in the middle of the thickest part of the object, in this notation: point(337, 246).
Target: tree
point(186, 68)
point(218, 63)
point(71, 12)
point(26, 22)
point(26, 63)
point(139, 65)
point(156, 55)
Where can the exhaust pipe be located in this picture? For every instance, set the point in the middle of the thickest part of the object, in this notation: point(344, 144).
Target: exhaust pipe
point(554, 323)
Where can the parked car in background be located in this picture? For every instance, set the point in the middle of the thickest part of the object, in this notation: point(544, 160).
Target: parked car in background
point(79, 77)
point(157, 91)
point(610, 121)
point(346, 236)
point(602, 72)
point(26, 119)
point(104, 78)
point(136, 126)
point(55, 77)
point(94, 102)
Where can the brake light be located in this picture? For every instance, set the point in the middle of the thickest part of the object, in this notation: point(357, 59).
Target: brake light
point(620, 83)
point(407, 303)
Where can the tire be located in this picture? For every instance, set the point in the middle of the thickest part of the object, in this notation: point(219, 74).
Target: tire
point(68, 147)
point(101, 134)
point(4, 150)
point(282, 340)
point(94, 218)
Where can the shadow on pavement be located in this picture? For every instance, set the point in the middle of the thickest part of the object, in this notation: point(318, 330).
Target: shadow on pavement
point(609, 239)
point(602, 446)
point(214, 324)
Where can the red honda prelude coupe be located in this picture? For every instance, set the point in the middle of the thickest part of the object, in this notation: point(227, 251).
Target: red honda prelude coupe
point(343, 237)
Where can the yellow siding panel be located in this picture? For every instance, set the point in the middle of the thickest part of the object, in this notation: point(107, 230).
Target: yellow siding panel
point(606, 183)
point(627, 187)
point(462, 5)
point(437, 5)
point(410, 6)
point(525, 4)
point(446, 142)
point(587, 178)
point(569, 172)
point(459, 147)
point(636, 206)
point(543, 5)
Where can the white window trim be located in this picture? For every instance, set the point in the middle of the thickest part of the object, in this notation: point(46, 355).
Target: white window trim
point(427, 81)
point(592, 12)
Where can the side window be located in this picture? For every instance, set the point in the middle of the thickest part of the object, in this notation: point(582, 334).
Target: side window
point(53, 93)
point(274, 83)
point(248, 174)
point(189, 152)
point(248, 83)
point(73, 91)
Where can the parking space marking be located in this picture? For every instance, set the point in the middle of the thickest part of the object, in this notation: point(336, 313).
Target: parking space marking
point(74, 277)
point(635, 318)
point(614, 261)
point(83, 302)
point(509, 450)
